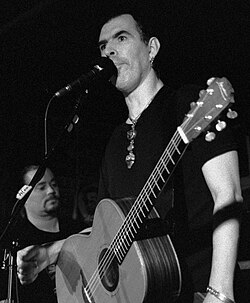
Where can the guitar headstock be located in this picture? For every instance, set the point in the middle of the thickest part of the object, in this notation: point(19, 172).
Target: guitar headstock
point(217, 97)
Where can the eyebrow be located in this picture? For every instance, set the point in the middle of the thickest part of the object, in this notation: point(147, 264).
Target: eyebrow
point(44, 182)
point(113, 37)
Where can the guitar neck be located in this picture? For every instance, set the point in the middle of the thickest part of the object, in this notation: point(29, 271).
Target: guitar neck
point(158, 178)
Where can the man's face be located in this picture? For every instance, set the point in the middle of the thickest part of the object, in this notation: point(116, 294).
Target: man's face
point(44, 199)
point(120, 41)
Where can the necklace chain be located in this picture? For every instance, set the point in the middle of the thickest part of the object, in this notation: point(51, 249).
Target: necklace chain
point(134, 121)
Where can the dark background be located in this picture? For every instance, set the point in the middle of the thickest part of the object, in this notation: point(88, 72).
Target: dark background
point(46, 44)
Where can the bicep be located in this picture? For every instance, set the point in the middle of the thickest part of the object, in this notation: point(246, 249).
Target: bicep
point(222, 177)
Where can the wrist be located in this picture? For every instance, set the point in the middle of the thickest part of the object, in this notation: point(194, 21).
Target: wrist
point(51, 251)
point(220, 296)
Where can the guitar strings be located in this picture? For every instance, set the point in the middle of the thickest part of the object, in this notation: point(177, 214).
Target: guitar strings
point(133, 216)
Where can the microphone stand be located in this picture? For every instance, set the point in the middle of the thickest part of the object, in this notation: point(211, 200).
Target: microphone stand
point(10, 255)
point(5, 237)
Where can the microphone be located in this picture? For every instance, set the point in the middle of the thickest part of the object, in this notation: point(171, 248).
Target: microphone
point(104, 68)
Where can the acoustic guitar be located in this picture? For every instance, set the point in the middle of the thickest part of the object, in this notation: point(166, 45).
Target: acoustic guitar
point(116, 262)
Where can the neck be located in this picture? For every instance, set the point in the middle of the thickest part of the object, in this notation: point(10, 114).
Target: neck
point(46, 223)
point(141, 97)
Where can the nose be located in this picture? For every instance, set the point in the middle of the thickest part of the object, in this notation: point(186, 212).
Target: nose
point(50, 189)
point(110, 50)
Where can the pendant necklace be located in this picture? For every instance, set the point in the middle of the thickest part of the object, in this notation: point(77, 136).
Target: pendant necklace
point(131, 134)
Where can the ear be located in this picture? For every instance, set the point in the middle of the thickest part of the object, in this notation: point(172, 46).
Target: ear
point(154, 47)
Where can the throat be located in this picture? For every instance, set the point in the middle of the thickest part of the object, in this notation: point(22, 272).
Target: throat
point(45, 224)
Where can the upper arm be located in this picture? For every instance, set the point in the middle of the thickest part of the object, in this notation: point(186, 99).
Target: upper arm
point(222, 177)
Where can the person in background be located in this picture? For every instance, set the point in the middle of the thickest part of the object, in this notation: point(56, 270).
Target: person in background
point(41, 223)
point(206, 186)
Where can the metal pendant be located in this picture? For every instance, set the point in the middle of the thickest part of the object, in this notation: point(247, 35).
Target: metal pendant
point(130, 159)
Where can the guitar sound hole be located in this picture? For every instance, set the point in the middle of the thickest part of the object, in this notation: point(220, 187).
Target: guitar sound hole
point(109, 274)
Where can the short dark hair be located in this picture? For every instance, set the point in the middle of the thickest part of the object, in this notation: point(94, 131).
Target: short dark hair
point(144, 28)
point(145, 31)
point(25, 170)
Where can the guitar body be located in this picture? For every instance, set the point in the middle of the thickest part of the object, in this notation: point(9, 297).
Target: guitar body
point(150, 271)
